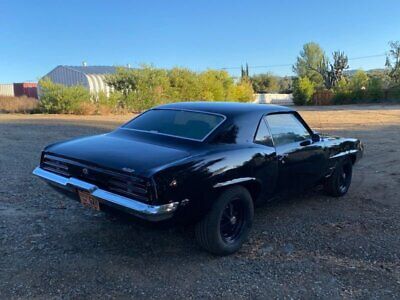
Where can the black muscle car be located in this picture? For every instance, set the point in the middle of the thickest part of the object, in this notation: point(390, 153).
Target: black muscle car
point(202, 163)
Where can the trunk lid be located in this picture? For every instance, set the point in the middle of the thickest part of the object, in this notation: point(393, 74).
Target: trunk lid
point(116, 152)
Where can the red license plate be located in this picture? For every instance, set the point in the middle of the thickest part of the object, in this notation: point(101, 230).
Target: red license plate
point(88, 200)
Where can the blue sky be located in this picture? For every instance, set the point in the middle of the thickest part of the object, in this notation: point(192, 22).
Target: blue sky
point(36, 36)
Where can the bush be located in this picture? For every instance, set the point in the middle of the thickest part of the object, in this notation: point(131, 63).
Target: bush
point(393, 94)
point(342, 92)
point(363, 89)
point(140, 89)
point(241, 92)
point(18, 104)
point(57, 98)
point(303, 90)
point(374, 90)
point(323, 97)
point(143, 88)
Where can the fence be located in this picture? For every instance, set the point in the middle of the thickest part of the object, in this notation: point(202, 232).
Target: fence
point(280, 99)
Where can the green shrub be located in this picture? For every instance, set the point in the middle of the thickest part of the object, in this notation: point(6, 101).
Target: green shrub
point(374, 91)
point(241, 92)
point(57, 98)
point(342, 92)
point(143, 88)
point(183, 85)
point(303, 90)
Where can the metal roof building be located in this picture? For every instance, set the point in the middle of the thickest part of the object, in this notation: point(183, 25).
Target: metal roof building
point(91, 77)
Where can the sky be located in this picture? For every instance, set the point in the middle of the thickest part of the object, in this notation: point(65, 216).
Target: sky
point(38, 35)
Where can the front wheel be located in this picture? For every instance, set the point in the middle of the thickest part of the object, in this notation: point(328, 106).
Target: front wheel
point(339, 182)
point(226, 227)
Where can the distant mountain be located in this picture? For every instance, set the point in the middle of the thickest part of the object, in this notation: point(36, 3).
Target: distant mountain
point(371, 71)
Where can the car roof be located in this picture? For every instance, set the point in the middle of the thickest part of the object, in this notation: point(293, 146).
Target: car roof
point(226, 108)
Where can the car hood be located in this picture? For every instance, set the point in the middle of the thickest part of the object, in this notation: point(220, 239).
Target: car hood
point(119, 153)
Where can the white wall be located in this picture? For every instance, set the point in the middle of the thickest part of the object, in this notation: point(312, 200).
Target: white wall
point(279, 99)
point(7, 89)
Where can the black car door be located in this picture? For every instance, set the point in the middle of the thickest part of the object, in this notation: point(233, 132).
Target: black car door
point(301, 160)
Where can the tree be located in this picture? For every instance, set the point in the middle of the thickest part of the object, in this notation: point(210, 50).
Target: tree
point(142, 88)
point(393, 61)
point(375, 88)
point(303, 90)
point(184, 85)
point(265, 83)
point(359, 84)
point(58, 98)
point(124, 80)
point(314, 64)
point(244, 72)
point(285, 85)
point(214, 85)
point(308, 63)
point(359, 80)
point(242, 91)
point(333, 73)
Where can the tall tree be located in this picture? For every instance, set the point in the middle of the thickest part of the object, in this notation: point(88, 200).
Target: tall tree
point(332, 73)
point(393, 61)
point(265, 83)
point(285, 84)
point(244, 72)
point(309, 61)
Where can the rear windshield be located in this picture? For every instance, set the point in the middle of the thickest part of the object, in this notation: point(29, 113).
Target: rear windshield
point(179, 123)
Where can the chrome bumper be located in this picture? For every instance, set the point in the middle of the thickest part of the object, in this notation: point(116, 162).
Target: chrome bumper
point(140, 209)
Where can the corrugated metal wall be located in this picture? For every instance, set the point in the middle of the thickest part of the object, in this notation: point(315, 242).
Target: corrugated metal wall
point(97, 84)
point(28, 89)
point(89, 77)
point(7, 89)
point(66, 76)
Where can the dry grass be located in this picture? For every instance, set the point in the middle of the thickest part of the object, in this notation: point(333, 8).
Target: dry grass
point(18, 104)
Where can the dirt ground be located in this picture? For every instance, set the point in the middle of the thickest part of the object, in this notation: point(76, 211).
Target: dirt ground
point(310, 246)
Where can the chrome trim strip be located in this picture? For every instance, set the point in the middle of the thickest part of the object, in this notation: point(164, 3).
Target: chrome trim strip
point(233, 181)
point(344, 153)
point(176, 136)
point(145, 211)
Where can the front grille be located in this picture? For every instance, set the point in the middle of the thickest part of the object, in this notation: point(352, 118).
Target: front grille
point(131, 186)
point(52, 164)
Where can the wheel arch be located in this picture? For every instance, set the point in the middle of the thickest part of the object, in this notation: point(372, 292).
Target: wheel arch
point(252, 185)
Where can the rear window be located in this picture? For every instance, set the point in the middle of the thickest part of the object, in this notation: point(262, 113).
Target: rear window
point(179, 123)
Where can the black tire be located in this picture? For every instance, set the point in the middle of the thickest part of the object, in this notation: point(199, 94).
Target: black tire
point(227, 225)
point(339, 182)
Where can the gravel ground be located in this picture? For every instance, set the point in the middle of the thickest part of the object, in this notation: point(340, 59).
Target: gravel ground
point(310, 246)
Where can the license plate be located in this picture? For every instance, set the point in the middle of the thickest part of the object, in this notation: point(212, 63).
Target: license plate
point(88, 200)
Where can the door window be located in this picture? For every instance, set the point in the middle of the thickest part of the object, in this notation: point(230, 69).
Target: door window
point(263, 136)
point(286, 129)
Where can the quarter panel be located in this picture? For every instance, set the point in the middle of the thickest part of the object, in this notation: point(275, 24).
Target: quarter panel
point(200, 178)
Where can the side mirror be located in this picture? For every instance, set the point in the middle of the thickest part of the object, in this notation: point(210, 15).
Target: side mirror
point(315, 137)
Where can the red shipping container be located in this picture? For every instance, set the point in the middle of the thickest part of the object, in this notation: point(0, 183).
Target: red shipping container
point(28, 89)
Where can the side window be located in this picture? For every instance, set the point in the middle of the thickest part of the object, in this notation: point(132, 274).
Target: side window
point(286, 129)
point(263, 136)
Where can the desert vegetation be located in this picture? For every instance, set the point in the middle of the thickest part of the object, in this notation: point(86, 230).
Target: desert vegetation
point(318, 80)
point(18, 104)
point(135, 90)
point(323, 80)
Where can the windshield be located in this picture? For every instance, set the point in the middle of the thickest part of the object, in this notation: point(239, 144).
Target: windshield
point(179, 123)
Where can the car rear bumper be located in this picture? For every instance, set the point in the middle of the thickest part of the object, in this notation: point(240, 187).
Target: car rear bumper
point(137, 208)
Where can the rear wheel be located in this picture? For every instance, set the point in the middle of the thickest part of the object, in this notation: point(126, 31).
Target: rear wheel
point(224, 229)
point(338, 184)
